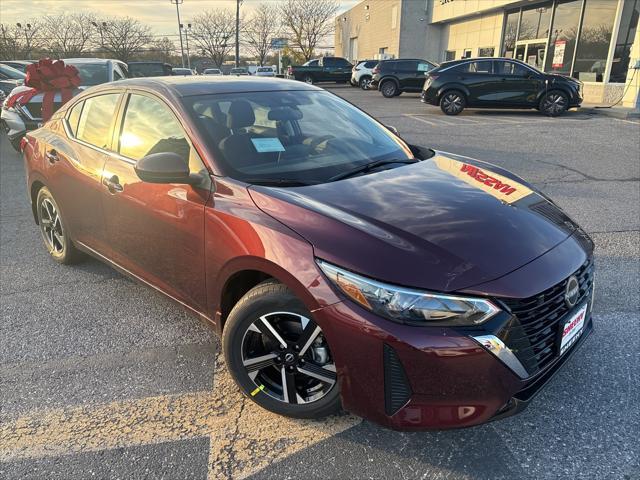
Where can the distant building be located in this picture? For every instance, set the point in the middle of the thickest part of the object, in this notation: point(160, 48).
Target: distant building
point(595, 41)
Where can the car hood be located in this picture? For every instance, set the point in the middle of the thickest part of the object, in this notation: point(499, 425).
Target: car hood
point(444, 224)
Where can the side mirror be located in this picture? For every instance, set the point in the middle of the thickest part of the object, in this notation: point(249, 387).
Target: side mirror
point(393, 130)
point(165, 167)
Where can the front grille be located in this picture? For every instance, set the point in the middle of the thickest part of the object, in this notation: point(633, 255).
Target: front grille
point(534, 336)
point(397, 391)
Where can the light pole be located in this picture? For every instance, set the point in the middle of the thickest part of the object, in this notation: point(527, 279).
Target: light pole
point(177, 3)
point(186, 37)
point(238, 3)
point(27, 30)
point(100, 28)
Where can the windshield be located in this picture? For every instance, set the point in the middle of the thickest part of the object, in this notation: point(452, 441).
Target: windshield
point(295, 136)
point(11, 72)
point(182, 71)
point(92, 73)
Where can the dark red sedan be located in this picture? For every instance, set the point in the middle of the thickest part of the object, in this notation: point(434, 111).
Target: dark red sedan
point(341, 265)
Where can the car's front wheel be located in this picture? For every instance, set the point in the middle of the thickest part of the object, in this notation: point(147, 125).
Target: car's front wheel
point(278, 355)
point(452, 102)
point(554, 103)
point(54, 233)
point(308, 79)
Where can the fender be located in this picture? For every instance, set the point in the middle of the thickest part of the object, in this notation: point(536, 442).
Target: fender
point(453, 86)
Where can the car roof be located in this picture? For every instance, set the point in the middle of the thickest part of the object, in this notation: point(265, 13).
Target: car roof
point(88, 60)
point(184, 86)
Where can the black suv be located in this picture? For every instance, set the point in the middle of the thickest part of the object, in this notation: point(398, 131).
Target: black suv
point(499, 83)
point(393, 77)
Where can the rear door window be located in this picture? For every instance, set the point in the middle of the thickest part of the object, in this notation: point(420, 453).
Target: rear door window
point(73, 117)
point(370, 64)
point(407, 66)
point(94, 126)
point(510, 68)
point(482, 66)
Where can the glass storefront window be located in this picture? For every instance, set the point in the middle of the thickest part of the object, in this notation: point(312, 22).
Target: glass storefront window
point(562, 41)
point(626, 34)
point(510, 33)
point(535, 22)
point(594, 41)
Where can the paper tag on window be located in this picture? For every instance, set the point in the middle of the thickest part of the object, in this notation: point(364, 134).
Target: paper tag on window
point(263, 145)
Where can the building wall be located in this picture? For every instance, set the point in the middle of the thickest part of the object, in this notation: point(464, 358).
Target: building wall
point(413, 30)
point(444, 10)
point(376, 27)
point(482, 31)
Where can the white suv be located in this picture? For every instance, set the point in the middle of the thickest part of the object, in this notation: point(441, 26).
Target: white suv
point(361, 73)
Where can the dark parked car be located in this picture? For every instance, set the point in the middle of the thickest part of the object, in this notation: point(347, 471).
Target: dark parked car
point(18, 64)
point(341, 265)
point(10, 78)
point(393, 77)
point(499, 83)
point(149, 69)
point(328, 69)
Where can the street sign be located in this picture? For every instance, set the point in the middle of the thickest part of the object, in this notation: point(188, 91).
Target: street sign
point(279, 43)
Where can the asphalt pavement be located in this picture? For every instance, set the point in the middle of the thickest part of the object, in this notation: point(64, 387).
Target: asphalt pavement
point(103, 378)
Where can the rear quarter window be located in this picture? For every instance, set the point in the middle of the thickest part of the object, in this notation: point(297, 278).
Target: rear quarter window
point(73, 117)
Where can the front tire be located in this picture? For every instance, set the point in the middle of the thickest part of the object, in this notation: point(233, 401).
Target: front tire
point(389, 89)
point(554, 103)
point(279, 356)
point(53, 229)
point(308, 79)
point(452, 102)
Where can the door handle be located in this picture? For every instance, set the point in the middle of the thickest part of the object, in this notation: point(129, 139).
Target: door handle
point(52, 156)
point(113, 184)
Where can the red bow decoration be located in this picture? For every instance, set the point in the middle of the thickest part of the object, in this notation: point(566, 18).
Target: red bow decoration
point(48, 76)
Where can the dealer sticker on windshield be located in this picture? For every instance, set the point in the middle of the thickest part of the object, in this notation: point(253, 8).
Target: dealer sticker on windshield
point(572, 329)
point(263, 145)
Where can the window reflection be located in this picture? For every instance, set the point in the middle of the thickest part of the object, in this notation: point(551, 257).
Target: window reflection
point(150, 127)
point(96, 118)
point(624, 42)
point(562, 41)
point(595, 38)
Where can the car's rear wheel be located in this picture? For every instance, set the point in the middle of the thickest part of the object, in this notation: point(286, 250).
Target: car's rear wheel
point(308, 79)
point(554, 103)
point(452, 102)
point(389, 89)
point(365, 82)
point(53, 229)
point(279, 356)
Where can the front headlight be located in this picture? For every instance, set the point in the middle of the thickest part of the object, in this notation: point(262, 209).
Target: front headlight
point(409, 306)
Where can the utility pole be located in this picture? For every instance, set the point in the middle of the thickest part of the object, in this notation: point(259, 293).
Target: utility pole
point(177, 3)
point(186, 37)
point(238, 2)
point(27, 37)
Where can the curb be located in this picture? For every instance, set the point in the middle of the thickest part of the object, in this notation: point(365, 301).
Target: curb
point(615, 112)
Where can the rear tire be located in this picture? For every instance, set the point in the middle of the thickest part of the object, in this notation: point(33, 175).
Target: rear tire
point(389, 89)
point(53, 229)
point(554, 103)
point(270, 339)
point(365, 81)
point(452, 102)
point(308, 79)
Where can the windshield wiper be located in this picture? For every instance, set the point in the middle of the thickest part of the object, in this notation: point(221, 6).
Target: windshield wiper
point(276, 182)
point(367, 167)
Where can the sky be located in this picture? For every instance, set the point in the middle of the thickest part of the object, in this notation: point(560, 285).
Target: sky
point(159, 14)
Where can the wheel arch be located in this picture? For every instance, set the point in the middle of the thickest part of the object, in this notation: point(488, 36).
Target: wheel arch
point(453, 86)
point(386, 79)
point(242, 274)
point(35, 187)
point(554, 88)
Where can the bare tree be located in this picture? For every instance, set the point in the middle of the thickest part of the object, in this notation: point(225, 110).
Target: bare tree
point(68, 35)
point(164, 49)
point(263, 25)
point(213, 33)
point(122, 38)
point(308, 22)
point(9, 42)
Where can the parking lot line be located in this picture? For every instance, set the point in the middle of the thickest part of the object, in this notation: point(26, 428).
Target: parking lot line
point(242, 435)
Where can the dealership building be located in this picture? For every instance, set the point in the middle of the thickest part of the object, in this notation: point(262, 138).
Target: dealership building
point(595, 41)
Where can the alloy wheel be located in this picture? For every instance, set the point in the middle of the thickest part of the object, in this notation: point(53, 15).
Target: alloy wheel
point(51, 227)
point(452, 103)
point(365, 83)
point(308, 79)
point(287, 357)
point(388, 89)
point(554, 104)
